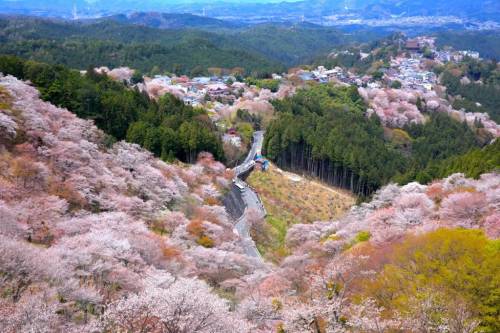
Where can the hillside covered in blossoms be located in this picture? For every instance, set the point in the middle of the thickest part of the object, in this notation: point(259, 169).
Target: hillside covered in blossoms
point(84, 225)
point(103, 237)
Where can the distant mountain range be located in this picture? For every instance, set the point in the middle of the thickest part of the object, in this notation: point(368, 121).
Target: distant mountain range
point(173, 21)
point(261, 10)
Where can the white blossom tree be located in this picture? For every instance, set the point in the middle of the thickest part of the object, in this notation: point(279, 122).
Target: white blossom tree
point(177, 305)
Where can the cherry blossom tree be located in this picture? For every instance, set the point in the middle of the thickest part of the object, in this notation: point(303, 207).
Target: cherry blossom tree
point(413, 208)
point(8, 129)
point(177, 305)
point(36, 313)
point(368, 317)
point(328, 297)
point(299, 317)
point(9, 226)
point(20, 264)
point(463, 209)
point(431, 314)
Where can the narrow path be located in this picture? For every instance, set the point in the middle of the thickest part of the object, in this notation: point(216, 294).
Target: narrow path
point(249, 196)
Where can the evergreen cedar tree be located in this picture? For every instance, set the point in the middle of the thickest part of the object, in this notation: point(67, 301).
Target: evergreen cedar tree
point(323, 131)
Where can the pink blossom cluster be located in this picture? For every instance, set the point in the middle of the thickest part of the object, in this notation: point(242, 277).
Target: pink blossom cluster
point(397, 108)
point(118, 74)
point(434, 103)
point(82, 223)
point(157, 88)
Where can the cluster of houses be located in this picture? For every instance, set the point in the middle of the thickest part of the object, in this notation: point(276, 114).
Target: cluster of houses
point(421, 43)
point(337, 74)
point(217, 92)
point(196, 91)
point(410, 72)
point(455, 56)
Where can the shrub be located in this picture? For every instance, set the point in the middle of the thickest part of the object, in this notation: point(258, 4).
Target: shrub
point(26, 172)
point(205, 241)
point(396, 85)
point(211, 201)
point(362, 236)
point(461, 266)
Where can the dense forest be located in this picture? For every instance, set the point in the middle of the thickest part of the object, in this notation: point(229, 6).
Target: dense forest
point(288, 43)
point(112, 44)
point(260, 49)
point(175, 130)
point(296, 44)
point(168, 128)
point(440, 138)
point(473, 163)
point(323, 131)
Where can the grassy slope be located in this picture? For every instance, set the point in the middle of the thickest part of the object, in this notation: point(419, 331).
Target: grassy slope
point(290, 199)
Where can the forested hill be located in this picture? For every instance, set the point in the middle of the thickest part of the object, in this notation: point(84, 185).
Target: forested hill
point(119, 41)
point(114, 44)
point(173, 21)
point(286, 42)
point(295, 44)
point(323, 131)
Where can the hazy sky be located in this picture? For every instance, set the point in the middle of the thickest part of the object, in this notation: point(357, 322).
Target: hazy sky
point(196, 1)
point(167, 2)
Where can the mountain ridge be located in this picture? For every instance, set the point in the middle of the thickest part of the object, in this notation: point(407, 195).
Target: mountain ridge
point(481, 10)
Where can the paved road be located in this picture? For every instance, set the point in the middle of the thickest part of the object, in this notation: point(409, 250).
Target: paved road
point(256, 149)
point(258, 140)
point(250, 197)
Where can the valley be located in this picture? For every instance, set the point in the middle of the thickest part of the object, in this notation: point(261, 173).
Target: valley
point(291, 199)
point(249, 166)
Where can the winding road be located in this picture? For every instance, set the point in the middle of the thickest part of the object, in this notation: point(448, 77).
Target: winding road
point(249, 196)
